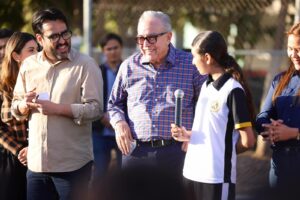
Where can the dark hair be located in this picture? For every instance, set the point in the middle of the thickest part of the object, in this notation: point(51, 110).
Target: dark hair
point(108, 37)
point(41, 16)
point(5, 33)
point(10, 68)
point(285, 79)
point(213, 43)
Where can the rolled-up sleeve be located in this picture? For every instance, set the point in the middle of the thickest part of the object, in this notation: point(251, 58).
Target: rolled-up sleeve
point(91, 106)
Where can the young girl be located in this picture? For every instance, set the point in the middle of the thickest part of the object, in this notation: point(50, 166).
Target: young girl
point(222, 125)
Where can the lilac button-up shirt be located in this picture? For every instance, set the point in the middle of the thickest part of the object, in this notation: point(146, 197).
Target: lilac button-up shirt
point(144, 96)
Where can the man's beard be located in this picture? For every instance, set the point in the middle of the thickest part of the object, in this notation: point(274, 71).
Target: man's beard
point(58, 55)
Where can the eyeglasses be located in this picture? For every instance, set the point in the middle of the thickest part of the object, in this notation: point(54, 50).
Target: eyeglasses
point(67, 34)
point(152, 39)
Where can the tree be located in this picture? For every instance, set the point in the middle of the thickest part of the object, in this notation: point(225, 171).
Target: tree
point(17, 15)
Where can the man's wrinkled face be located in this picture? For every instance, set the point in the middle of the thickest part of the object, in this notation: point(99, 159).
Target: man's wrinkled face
point(153, 39)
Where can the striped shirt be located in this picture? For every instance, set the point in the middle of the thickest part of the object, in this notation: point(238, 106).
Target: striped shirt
point(13, 133)
point(147, 94)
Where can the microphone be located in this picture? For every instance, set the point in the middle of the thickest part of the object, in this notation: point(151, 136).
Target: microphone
point(178, 106)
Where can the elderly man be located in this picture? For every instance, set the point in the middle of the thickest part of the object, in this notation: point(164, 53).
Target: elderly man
point(59, 91)
point(142, 103)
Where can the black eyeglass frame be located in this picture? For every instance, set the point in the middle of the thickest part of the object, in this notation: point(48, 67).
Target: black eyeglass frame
point(152, 39)
point(67, 34)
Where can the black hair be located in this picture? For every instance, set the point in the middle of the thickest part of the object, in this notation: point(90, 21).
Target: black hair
point(213, 43)
point(108, 37)
point(41, 16)
point(5, 33)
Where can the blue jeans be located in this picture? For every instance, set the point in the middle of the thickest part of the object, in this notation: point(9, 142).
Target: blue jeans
point(62, 185)
point(170, 158)
point(102, 146)
point(284, 175)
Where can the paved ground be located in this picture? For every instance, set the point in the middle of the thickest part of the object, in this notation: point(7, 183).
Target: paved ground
point(252, 177)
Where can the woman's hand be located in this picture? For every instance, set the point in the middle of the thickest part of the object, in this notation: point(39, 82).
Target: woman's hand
point(277, 131)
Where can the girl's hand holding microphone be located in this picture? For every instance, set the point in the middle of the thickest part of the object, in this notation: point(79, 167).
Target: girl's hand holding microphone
point(180, 133)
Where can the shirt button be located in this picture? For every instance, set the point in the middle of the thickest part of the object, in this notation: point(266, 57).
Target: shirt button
point(153, 126)
point(157, 86)
point(155, 99)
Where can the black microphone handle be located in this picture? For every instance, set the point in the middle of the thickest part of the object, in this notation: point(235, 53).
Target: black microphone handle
point(178, 111)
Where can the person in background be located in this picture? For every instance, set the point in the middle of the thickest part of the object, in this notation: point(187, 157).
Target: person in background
point(103, 134)
point(13, 133)
point(222, 125)
point(4, 36)
point(142, 103)
point(59, 91)
point(279, 123)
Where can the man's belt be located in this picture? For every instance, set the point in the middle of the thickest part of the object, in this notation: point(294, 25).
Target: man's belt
point(156, 143)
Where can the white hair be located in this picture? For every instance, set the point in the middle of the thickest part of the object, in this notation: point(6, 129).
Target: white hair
point(164, 18)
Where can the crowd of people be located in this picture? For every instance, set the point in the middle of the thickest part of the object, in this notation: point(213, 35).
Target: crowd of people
point(62, 114)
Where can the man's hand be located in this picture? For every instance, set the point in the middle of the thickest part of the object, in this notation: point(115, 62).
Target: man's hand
point(22, 156)
point(45, 107)
point(123, 137)
point(24, 105)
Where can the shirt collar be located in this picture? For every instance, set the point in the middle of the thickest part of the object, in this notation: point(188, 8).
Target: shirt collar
point(219, 82)
point(296, 72)
point(42, 57)
point(106, 65)
point(169, 59)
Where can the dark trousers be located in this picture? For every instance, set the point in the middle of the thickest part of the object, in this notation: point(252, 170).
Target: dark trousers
point(169, 158)
point(63, 185)
point(12, 177)
point(284, 174)
point(207, 191)
point(102, 146)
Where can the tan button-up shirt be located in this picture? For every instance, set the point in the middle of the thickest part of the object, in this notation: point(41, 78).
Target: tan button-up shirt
point(58, 143)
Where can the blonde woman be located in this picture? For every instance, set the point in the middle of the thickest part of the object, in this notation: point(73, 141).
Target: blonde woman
point(13, 133)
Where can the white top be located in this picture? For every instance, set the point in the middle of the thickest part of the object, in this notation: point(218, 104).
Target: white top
point(211, 155)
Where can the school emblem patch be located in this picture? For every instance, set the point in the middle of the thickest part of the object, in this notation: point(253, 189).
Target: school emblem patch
point(214, 106)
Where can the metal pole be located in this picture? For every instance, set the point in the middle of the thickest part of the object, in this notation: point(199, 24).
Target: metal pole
point(297, 14)
point(87, 27)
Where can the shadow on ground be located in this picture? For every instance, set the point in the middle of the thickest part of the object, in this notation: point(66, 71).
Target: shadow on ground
point(252, 177)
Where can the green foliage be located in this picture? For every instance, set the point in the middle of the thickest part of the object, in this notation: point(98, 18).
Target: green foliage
point(11, 14)
point(17, 14)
